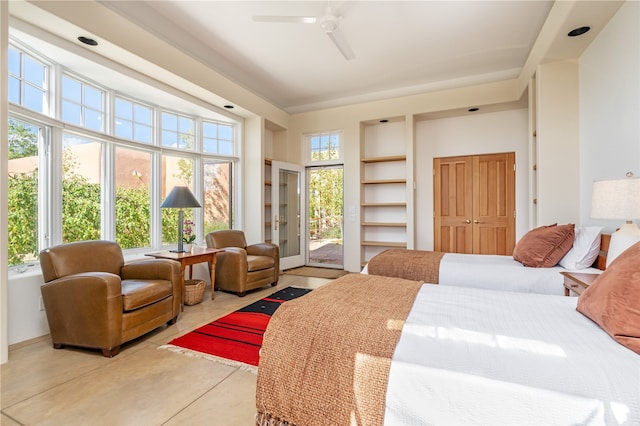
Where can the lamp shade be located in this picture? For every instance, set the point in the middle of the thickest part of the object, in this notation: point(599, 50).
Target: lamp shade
point(180, 197)
point(616, 199)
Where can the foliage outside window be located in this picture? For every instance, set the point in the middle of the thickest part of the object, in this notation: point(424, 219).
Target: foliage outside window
point(81, 184)
point(23, 192)
point(217, 195)
point(133, 197)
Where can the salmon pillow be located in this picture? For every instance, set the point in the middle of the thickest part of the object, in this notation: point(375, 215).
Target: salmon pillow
point(543, 247)
point(613, 300)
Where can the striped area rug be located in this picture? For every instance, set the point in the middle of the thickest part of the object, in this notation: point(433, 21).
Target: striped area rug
point(235, 339)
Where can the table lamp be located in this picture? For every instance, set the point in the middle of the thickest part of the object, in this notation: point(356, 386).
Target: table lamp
point(618, 199)
point(180, 197)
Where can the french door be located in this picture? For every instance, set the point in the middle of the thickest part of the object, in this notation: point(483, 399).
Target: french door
point(474, 204)
point(288, 201)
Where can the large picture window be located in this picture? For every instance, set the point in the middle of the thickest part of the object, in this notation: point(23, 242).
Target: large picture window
point(99, 167)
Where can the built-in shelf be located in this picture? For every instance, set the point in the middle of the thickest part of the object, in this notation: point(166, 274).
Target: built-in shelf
point(383, 204)
point(383, 187)
point(385, 159)
point(383, 181)
point(384, 244)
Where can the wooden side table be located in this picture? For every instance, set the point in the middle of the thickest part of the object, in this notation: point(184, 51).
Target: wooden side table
point(577, 282)
point(196, 255)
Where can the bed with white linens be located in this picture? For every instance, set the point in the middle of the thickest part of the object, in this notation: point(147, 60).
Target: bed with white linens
point(586, 254)
point(377, 350)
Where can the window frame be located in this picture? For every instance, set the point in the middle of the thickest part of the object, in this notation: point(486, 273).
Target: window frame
point(50, 157)
point(308, 138)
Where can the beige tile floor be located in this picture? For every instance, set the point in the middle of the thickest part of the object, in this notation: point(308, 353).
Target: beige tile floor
point(141, 386)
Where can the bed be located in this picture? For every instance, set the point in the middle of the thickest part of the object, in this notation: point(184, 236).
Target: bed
point(376, 350)
point(587, 254)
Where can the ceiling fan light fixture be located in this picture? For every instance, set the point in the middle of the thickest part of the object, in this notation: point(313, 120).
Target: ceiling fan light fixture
point(329, 23)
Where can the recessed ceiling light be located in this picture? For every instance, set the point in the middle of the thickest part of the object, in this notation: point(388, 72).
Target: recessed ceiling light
point(87, 40)
point(578, 31)
point(474, 109)
point(228, 106)
point(384, 120)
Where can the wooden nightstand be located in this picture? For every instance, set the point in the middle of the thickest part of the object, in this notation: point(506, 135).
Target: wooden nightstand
point(577, 282)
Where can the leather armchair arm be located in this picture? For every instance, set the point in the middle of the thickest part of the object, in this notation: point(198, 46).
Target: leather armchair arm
point(263, 249)
point(231, 267)
point(96, 298)
point(151, 269)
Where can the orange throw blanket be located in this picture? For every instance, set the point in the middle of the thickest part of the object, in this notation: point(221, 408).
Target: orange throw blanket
point(326, 356)
point(408, 264)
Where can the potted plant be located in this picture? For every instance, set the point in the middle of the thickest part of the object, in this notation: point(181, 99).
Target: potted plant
point(188, 234)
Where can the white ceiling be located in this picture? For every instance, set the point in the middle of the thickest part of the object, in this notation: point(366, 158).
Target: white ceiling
point(400, 47)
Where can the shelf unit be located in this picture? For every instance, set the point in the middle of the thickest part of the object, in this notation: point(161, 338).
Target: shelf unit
point(383, 188)
point(268, 210)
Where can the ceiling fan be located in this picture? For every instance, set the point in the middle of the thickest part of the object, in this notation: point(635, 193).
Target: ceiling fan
point(329, 23)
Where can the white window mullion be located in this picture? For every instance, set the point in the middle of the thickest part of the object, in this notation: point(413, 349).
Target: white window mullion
point(108, 193)
point(54, 182)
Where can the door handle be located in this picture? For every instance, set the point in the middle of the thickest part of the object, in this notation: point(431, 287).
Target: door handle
point(468, 221)
point(276, 221)
point(476, 221)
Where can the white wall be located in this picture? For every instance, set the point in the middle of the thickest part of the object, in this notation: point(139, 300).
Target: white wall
point(610, 106)
point(488, 133)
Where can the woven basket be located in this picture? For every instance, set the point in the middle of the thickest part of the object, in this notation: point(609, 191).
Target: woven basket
point(193, 291)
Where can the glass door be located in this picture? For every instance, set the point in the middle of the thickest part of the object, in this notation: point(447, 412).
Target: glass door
point(288, 199)
point(325, 195)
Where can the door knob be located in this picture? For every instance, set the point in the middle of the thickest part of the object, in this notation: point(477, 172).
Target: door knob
point(476, 221)
point(468, 221)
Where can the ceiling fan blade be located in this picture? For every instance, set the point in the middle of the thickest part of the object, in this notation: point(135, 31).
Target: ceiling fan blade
point(286, 19)
point(342, 45)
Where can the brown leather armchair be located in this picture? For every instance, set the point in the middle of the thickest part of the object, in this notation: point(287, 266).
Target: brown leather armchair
point(240, 267)
point(93, 299)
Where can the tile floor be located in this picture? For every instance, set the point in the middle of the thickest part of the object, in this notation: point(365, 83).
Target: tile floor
point(141, 386)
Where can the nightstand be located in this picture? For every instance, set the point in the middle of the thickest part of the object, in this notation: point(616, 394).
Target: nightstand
point(577, 282)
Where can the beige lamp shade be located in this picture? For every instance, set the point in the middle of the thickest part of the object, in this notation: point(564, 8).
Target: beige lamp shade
point(618, 199)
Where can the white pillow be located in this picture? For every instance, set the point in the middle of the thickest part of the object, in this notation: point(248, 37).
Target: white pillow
point(585, 250)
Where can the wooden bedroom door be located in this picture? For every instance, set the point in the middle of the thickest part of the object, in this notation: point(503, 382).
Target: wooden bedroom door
point(474, 204)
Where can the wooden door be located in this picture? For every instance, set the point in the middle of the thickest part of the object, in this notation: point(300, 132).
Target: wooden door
point(494, 204)
point(474, 204)
point(453, 204)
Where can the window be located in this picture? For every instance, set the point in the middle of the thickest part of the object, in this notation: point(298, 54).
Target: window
point(179, 172)
point(324, 148)
point(133, 121)
point(81, 186)
point(24, 141)
point(177, 131)
point(217, 195)
point(69, 184)
point(217, 138)
point(27, 81)
point(82, 104)
point(133, 197)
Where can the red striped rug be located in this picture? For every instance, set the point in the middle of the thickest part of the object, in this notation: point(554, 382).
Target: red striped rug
point(237, 337)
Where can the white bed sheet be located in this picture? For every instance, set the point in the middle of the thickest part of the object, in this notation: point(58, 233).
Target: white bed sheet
point(470, 356)
point(497, 272)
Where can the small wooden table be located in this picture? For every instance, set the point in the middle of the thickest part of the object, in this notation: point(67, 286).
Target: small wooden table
point(577, 282)
point(196, 255)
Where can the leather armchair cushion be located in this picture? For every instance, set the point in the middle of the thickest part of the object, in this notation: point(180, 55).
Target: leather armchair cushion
point(139, 293)
point(258, 263)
